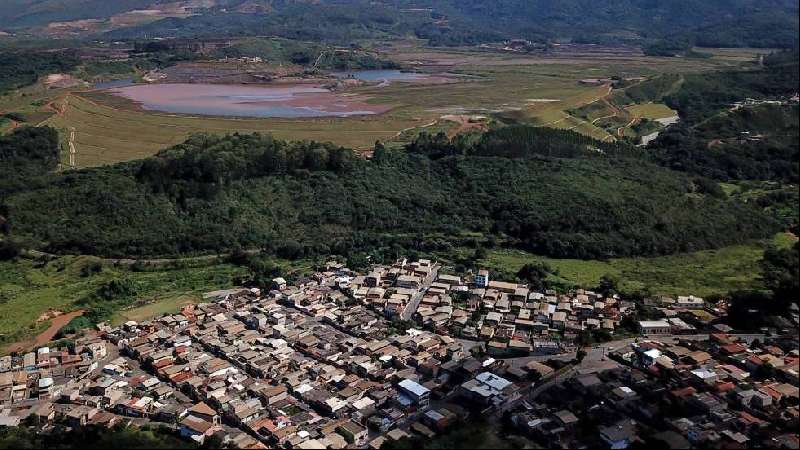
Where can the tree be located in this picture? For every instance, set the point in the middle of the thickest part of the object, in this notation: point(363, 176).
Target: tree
point(379, 153)
point(535, 274)
point(9, 250)
point(780, 272)
point(291, 250)
point(748, 309)
point(608, 285)
point(584, 338)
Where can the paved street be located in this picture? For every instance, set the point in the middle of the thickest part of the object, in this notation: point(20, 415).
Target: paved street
point(412, 306)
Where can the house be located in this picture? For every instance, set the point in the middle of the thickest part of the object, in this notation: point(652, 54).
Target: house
point(654, 327)
point(352, 432)
point(279, 283)
point(44, 413)
point(538, 370)
point(566, 418)
point(489, 389)
point(204, 412)
point(482, 279)
point(689, 302)
point(559, 320)
point(620, 435)
point(196, 429)
point(416, 392)
point(409, 282)
point(79, 416)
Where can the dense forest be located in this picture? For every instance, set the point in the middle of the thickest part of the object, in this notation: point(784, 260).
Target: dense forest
point(518, 141)
point(751, 310)
point(18, 69)
point(26, 155)
point(300, 199)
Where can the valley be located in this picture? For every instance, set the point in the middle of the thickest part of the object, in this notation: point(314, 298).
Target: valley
point(399, 224)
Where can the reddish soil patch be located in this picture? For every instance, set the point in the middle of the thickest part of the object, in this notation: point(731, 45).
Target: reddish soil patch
point(46, 336)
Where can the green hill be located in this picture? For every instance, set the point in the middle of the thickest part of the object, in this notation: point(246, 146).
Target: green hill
point(305, 199)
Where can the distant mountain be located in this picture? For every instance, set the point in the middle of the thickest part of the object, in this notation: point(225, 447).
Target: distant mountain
point(761, 23)
point(598, 19)
point(28, 13)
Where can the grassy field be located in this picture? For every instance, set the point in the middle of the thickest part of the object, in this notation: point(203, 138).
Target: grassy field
point(30, 288)
point(651, 111)
point(535, 88)
point(167, 305)
point(105, 134)
point(700, 273)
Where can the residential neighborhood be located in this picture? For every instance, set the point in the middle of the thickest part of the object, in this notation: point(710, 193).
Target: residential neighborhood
point(406, 351)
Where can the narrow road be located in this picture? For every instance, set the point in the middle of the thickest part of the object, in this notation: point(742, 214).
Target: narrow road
point(56, 323)
point(597, 359)
point(412, 306)
point(72, 151)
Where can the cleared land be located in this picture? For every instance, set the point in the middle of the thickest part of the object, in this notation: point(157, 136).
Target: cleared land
point(105, 134)
point(536, 88)
point(651, 111)
point(30, 288)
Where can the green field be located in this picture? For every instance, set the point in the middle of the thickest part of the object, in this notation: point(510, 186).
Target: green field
point(169, 305)
point(699, 273)
point(651, 110)
point(30, 288)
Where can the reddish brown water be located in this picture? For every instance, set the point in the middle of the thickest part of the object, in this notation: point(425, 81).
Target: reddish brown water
point(247, 100)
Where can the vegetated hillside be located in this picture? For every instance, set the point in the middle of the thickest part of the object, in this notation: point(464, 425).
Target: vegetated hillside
point(651, 90)
point(302, 199)
point(758, 142)
point(320, 22)
point(753, 143)
point(753, 148)
point(24, 13)
point(18, 68)
point(674, 25)
point(608, 20)
point(703, 95)
point(26, 155)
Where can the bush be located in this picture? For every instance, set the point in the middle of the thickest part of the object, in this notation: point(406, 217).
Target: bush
point(9, 250)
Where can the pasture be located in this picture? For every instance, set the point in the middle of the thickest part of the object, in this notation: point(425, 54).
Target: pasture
point(699, 273)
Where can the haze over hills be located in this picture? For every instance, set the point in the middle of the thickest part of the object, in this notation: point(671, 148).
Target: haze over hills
point(770, 23)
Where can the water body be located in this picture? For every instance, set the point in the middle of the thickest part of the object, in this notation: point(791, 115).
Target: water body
point(381, 75)
point(295, 101)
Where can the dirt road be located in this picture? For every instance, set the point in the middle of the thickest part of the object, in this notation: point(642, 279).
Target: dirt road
point(46, 336)
point(72, 151)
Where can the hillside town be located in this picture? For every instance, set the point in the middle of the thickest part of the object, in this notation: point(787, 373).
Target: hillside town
point(406, 351)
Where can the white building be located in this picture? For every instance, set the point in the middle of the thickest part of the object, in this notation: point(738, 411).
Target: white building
point(654, 327)
point(482, 278)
